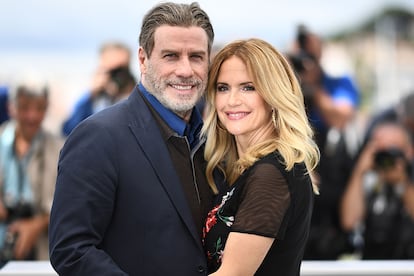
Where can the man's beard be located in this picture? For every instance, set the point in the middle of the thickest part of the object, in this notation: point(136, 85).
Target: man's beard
point(181, 104)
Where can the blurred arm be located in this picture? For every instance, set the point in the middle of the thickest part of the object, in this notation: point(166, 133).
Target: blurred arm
point(352, 207)
point(335, 114)
point(29, 231)
point(243, 254)
point(408, 199)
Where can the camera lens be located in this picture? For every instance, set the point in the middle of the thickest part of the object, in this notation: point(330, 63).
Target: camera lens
point(385, 159)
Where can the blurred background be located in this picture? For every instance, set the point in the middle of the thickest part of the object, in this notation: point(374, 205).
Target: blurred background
point(58, 41)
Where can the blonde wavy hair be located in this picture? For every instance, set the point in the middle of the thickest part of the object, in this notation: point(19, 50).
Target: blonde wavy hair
point(277, 84)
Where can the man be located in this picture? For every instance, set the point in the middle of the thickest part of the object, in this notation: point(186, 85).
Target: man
point(131, 195)
point(28, 159)
point(402, 112)
point(112, 55)
point(378, 202)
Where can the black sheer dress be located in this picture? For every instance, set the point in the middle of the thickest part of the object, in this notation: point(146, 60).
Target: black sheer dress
point(265, 200)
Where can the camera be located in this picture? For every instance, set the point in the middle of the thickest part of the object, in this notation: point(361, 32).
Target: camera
point(20, 211)
point(306, 66)
point(7, 253)
point(385, 159)
point(301, 61)
point(121, 76)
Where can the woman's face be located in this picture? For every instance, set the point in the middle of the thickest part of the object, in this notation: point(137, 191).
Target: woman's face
point(240, 109)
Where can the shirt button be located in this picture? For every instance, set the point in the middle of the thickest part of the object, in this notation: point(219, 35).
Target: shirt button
point(200, 269)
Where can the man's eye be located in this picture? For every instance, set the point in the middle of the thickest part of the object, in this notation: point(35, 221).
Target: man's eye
point(198, 57)
point(170, 55)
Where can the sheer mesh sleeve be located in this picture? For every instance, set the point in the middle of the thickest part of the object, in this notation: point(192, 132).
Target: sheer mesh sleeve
point(264, 202)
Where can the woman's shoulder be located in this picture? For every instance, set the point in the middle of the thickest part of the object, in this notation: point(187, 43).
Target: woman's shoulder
point(274, 158)
point(277, 160)
point(271, 165)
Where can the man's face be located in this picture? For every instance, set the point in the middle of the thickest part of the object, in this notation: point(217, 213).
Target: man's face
point(112, 58)
point(390, 138)
point(176, 71)
point(29, 113)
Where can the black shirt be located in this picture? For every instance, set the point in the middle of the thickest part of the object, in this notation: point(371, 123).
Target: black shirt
point(265, 200)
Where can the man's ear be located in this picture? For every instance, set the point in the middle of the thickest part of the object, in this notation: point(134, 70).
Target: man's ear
point(11, 109)
point(142, 59)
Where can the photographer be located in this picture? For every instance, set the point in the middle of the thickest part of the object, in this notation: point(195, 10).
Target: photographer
point(331, 104)
point(112, 55)
point(379, 198)
point(28, 161)
point(331, 101)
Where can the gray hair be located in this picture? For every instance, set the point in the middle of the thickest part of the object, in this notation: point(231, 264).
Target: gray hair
point(114, 45)
point(173, 14)
point(33, 89)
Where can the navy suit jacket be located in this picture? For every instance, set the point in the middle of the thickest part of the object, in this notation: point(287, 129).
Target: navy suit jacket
point(119, 207)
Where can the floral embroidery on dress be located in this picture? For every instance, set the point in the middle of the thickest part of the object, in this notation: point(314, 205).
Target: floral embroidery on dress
point(217, 214)
point(218, 252)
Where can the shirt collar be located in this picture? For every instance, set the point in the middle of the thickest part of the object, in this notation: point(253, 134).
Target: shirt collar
point(177, 124)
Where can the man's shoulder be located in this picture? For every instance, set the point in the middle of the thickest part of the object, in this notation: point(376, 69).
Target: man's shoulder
point(4, 92)
point(53, 139)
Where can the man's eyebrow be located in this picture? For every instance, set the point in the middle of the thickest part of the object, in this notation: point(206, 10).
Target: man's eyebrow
point(195, 52)
point(165, 51)
point(202, 53)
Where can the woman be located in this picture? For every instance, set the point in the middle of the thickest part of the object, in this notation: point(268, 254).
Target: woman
point(258, 135)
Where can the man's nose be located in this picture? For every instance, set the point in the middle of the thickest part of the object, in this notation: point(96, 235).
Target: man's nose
point(184, 68)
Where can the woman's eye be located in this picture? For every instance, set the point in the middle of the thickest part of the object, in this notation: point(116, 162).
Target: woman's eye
point(221, 88)
point(248, 88)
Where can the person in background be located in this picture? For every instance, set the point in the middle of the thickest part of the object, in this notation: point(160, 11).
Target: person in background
point(28, 161)
point(131, 195)
point(258, 134)
point(331, 103)
point(378, 203)
point(112, 56)
point(4, 101)
point(402, 112)
point(120, 83)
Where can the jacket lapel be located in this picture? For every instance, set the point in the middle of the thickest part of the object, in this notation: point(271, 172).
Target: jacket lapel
point(157, 153)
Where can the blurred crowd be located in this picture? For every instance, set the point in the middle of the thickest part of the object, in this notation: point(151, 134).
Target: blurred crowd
point(365, 209)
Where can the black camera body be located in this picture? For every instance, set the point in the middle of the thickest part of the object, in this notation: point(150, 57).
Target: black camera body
point(121, 76)
point(20, 211)
point(385, 159)
point(300, 61)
